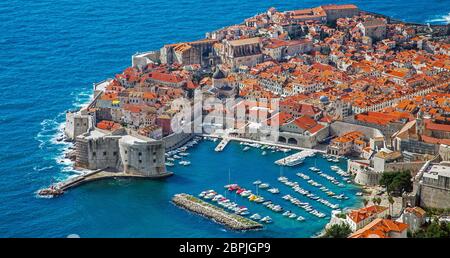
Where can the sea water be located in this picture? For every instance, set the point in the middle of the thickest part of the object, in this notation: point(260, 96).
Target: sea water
point(50, 54)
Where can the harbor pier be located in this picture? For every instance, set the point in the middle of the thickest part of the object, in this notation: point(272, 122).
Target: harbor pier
point(222, 145)
point(217, 214)
point(100, 174)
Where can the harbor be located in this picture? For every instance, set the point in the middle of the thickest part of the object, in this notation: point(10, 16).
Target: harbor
point(245, 179)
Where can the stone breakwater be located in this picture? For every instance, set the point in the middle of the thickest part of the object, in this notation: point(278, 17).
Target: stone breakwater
point(215, 213)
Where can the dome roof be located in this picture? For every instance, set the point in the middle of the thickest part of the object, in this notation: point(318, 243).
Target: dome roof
point(323, 99)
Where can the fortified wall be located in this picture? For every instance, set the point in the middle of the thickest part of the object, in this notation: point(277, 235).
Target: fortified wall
point(121, 150)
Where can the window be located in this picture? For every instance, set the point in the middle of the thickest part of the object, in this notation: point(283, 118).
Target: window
point(104, 153)
point(140, 153)
point(94, 154)
point(115, 153)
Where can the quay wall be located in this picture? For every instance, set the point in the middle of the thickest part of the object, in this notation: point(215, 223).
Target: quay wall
point(434, 197)
point(176, 140)
point(217, 214)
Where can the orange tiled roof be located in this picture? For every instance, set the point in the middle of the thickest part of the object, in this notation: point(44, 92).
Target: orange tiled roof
point(380, 228)
point(366, 212)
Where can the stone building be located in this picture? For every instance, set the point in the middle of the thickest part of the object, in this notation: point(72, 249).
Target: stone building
point(196, 52)
point(334, 12)
point(121, 150)
point(77, 123)
point(435, 186)
point(374, 28)
point(243, 52)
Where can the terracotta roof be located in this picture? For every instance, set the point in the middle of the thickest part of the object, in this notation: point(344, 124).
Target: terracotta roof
point(366, 212)
point(379, 228)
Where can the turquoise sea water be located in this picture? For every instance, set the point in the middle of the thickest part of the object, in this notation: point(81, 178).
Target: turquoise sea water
point(50, 54)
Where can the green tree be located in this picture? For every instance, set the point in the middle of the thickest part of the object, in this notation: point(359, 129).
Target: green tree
point(396, 182)
point(391, 204)
point(365, 201)
point(338, 231)
point(435, 229)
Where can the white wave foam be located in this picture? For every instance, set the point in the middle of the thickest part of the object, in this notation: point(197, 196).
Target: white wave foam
point(440, 19)
point(37, 168)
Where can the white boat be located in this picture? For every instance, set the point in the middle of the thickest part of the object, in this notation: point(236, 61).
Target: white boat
point(266, 203)
point(274, 190)
point(256, 216)
point(277, 208)
point(257, 182)
point(282, 178)
point(246, 148)
point(202, 194)
point(244, 213)
point(263, 153)
point(169, 164)
point(293, 216)
point(314, 169)
point(176, 157)
point(359, 194)
point(264, 185)
point(184, 162)
point(300, 218)
point(183, 154)
point(266, 219)
point(246, 193)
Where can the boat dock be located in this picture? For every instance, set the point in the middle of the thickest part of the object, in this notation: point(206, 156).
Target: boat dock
point(222, 144)
point(215, 213)
point(60, 187)
point(280, 145)
point(295, 158)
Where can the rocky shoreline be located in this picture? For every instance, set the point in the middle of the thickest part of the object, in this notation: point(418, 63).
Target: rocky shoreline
point(217, 214)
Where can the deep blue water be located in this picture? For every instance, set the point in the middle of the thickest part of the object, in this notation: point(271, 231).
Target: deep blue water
point(50, 54)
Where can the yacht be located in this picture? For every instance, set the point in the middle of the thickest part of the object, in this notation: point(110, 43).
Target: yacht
point(257, 182)
point(246, 193)
point(274, 190)
point(184, 162)
point(264, 185)
point(300, 218)
point(246, 148)
point(334, 168)
point(256, 216)
point(266, 203)
point(286, 213)
point(176, 157)
point(202, 194)
point(266, 219)
point(282, 178)
point(314, 169)
point(277, 208)
point(169, 164)
point(183, 154)
point(293, 216)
